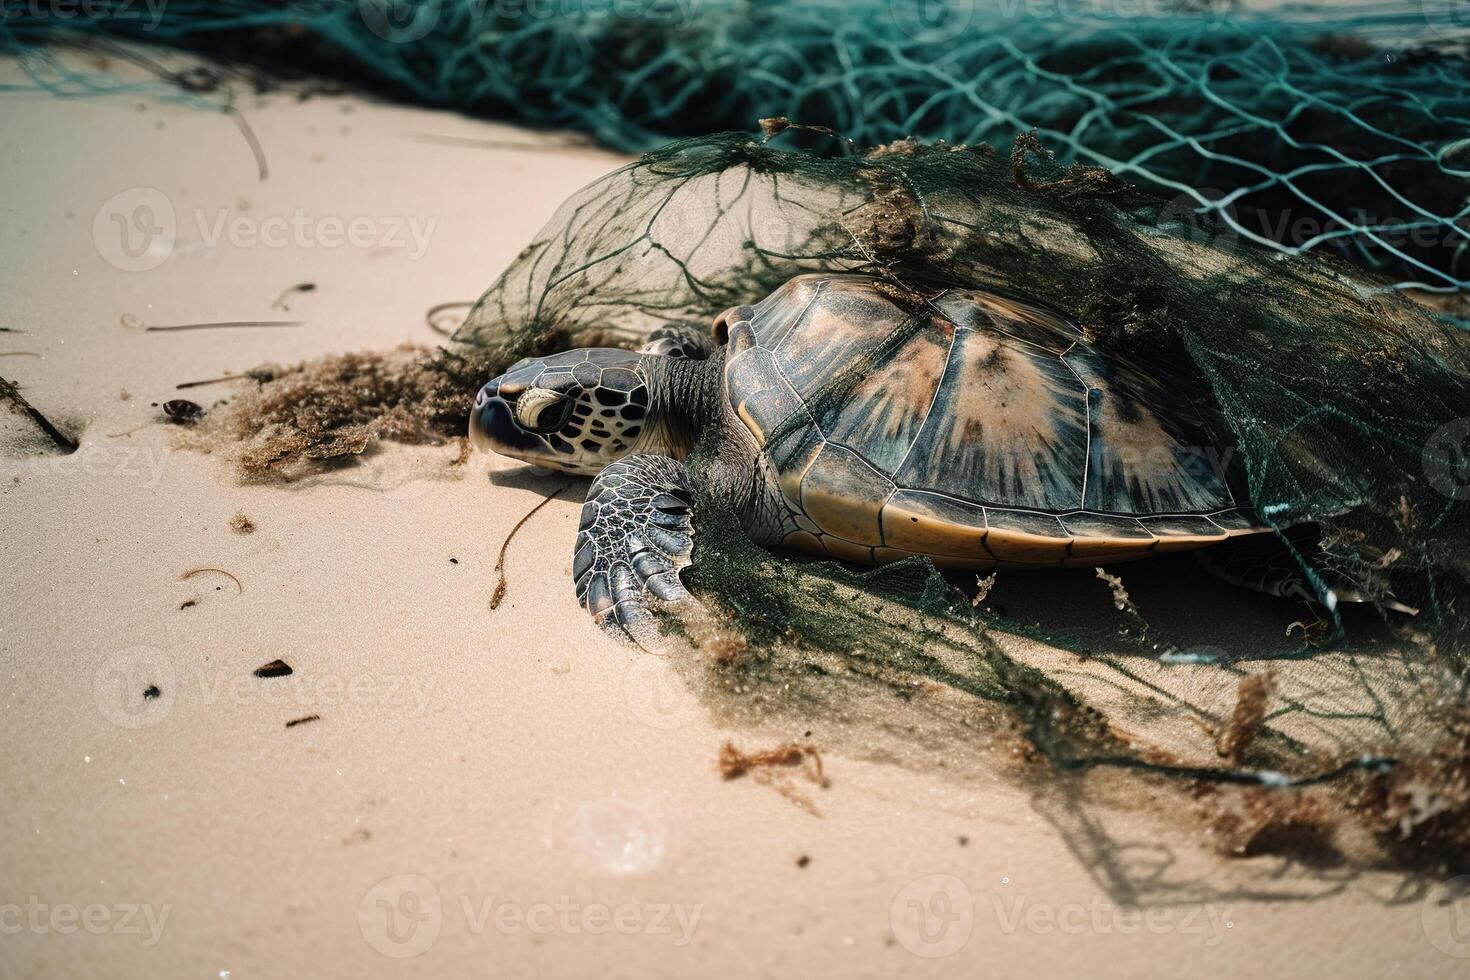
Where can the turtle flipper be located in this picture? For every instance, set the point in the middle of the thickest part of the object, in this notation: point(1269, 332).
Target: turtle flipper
point(636, 534)
point(685, 340)
point(1261, 563)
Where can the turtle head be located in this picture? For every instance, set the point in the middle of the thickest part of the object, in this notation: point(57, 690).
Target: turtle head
point(576, 412)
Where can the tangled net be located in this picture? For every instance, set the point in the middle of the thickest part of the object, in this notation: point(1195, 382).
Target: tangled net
point(1302, 128)
point(1347, 401)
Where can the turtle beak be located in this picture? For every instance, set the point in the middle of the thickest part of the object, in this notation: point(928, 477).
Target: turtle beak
point(479, 429)
point(492, 423)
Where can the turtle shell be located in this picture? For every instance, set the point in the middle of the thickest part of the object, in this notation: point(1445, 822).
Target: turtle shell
point(972, 428)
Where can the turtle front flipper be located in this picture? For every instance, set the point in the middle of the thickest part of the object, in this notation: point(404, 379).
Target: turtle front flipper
point(636, 534)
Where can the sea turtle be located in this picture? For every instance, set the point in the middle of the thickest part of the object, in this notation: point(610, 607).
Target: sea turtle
point(861, 423)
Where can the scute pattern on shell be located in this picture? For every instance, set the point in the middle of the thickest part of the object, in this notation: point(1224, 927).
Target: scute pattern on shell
point(972, 428)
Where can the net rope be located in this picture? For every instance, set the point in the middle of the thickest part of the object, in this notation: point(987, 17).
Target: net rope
point(1337, 128)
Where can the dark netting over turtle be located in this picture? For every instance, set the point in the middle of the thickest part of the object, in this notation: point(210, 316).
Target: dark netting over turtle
point(1339, 127)
point(1349, 403)
point(1347, 399)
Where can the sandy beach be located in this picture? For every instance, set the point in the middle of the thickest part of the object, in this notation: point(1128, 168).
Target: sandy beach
point(439, 789)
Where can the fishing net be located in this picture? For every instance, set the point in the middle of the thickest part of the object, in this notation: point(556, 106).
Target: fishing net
point(1347, 401)
point(1333, 127)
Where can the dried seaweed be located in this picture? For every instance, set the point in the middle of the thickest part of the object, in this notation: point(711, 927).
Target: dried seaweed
point(1245, 720)
point(295, 421)
point(780, 768)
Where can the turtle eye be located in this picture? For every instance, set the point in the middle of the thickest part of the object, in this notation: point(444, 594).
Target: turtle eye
point(542, 410)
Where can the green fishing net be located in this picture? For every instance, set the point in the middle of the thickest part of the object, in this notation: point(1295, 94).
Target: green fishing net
point(1340, 133)
point(1348, 401)
point(1339, 127)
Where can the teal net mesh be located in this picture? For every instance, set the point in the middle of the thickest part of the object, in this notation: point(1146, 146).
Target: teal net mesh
point(1335, 127)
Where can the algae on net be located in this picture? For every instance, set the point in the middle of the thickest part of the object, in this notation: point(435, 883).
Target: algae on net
point(1340, 392)
point(1337, 388)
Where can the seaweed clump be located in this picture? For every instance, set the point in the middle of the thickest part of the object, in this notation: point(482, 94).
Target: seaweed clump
point(294, 421)
point(1420, 809)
